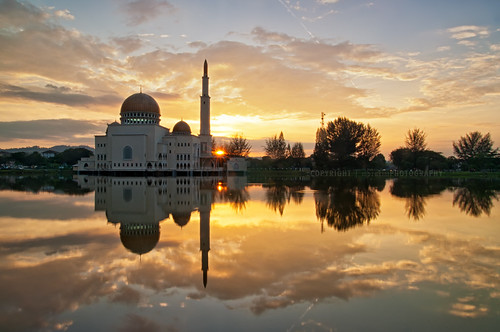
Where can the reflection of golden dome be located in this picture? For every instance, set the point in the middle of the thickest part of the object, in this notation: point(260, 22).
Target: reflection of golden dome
point(181, 218)
point(139, 239)
point(140, 102)
point(182, 127)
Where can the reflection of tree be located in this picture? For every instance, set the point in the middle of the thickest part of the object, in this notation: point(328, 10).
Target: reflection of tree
point(475, 197)
point(415, 206)
point(237, 198)
point(296, 193)
point(279, 195)
point(347, 203)
point(276, 198)
point(41, 183)
point(415, 191)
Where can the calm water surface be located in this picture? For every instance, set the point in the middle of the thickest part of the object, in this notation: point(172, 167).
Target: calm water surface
point(190, 254)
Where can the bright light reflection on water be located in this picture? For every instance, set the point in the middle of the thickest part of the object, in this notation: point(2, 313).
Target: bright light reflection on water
point(191, 254)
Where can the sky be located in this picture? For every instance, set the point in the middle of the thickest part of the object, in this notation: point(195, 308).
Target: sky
point(66, 67)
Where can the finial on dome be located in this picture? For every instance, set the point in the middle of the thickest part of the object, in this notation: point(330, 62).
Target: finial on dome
point(140, 88)
point(205, 68)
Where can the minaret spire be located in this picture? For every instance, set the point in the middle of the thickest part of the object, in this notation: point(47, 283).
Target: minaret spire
point(205, 136)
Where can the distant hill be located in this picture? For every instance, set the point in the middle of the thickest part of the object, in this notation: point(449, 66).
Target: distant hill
point(57, 148)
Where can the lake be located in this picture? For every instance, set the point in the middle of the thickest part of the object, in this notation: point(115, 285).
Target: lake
point(213, 254)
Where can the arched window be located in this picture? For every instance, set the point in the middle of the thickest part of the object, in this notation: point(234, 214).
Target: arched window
point(127, 153)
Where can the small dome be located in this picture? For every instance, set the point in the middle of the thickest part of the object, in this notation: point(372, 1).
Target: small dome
point(140, 102)
point(181, 127)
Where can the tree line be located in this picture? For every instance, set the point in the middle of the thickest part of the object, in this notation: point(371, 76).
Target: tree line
point(66, 158)
point(347, 144)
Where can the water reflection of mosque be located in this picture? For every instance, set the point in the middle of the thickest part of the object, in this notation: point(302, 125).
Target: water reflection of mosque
point(139, 204)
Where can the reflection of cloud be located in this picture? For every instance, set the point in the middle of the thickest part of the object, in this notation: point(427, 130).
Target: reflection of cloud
point(468, 310)
point(136, 323)
point(126, 294)
point(275, 265)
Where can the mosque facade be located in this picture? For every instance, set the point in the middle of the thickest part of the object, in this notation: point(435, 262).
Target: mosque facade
point(139, 144)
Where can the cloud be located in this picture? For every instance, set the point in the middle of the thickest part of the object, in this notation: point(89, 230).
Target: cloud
point(65, 14)
point(468, 31)
point(34, 44)
point(14, 14)
point(197, 44)
point(320, 17)
point(54, 129)
point(140, 11)
point(264, 36)
point(128, 44)
point(56, 95)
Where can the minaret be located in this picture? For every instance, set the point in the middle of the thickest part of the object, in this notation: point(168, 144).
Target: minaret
point(205, 137)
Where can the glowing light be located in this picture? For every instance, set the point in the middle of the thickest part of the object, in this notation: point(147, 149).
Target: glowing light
point(220, 153)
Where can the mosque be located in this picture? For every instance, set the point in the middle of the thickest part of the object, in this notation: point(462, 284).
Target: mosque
point(140, 145)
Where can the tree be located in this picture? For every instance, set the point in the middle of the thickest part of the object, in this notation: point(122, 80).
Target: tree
point(297, 151)
point(415, 154)
point(72, 155)
point(238, 146)
point(320, 154)
point(402, 158)
point(415, 140)
point(378, 162)
point(475, 149)
point(369, 145)
point(215, 145)
point(276, 147)
point(348, 143)
point(343, 135)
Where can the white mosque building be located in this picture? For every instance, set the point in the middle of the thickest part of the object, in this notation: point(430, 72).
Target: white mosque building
point(139, 145)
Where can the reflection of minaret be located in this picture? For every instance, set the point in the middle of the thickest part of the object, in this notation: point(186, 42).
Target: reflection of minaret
point(205, 204)
point(205, 137)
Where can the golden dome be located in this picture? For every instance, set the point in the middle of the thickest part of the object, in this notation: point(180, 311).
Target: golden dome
point(140, 102)
point(182, 127)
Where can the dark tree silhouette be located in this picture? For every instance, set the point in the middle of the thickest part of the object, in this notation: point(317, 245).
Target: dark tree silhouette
point(238, 146)
point(276, 147)
point(415, 140)
point(320, 154)
point(346, 143)
point(475, 149)
point(297, 151)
